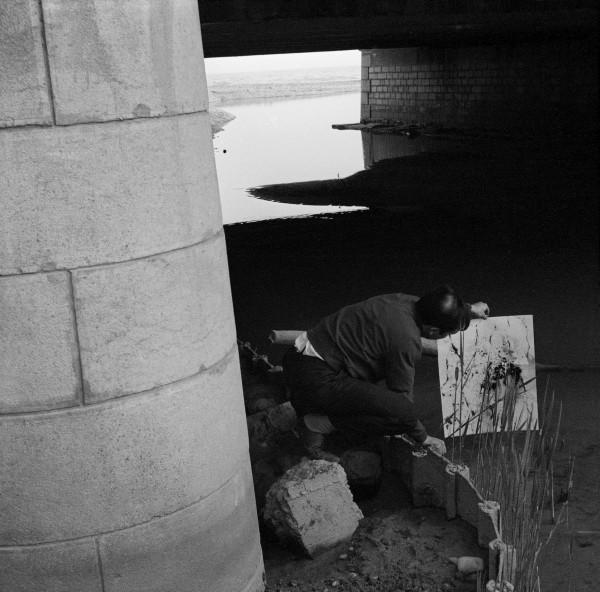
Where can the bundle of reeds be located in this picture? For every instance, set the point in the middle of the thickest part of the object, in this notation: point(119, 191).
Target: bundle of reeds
point(511, 462)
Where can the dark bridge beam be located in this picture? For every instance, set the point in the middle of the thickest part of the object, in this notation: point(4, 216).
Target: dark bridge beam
point(244, 36)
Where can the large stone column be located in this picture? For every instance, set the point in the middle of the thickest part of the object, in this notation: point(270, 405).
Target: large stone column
point(123, 443)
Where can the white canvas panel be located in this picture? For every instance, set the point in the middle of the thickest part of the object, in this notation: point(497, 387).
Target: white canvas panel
point(492, 385)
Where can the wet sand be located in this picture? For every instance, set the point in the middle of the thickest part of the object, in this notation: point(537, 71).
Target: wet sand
point(536, 254)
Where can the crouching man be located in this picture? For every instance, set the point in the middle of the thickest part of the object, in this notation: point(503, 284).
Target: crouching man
point(354, 371)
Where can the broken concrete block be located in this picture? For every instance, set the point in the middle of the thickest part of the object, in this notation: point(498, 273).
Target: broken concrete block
point(397, 458)
point(428, 479)
point(488, 526)
point(467, 497)
point(311, 506)
point(265, 430)
point(282, 417)
point(363, 470)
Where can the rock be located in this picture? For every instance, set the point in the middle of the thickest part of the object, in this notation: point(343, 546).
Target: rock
point(364, 471)
point(265, 429)
point(258, 427)
point(282, 417)
point(468, 565)
point(261, 404)
point(311, 505)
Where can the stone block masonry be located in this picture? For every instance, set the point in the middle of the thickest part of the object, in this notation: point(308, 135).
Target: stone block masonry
point(532, 87)
point(124, 464)
point(94, 195)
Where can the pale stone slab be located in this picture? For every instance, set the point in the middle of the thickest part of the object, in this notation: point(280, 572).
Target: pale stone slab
point(86, 195)
point(39, 362)
point(24, 95)
point(149, 322)
point(71, 566)
point(111, 59)
point(311, 506)
point(211, 546)
point(94, 469)
point(467, 497)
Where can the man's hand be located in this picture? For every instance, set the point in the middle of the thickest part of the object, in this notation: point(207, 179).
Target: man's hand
point(480, 310)
point(435, 444)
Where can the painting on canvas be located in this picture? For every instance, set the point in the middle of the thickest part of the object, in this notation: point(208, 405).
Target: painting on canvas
point(487, 377)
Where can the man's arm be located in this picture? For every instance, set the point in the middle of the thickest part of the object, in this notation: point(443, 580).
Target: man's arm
point(480, 310)
point(399, 377)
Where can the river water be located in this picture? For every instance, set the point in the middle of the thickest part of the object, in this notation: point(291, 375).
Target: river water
point(284, 141)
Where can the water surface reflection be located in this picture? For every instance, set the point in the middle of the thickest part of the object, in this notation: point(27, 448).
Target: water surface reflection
point(283, 141)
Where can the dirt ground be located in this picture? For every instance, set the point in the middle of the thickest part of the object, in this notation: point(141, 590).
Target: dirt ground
point(396, 548)
point(536, 254)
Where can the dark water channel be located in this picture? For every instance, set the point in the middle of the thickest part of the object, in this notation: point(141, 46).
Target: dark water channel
point(514, 223)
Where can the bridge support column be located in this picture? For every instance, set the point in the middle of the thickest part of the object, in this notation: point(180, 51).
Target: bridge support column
point(124, 463)
point(540, 87)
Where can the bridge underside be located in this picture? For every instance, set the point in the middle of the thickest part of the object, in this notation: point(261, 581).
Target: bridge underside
point(235, 29)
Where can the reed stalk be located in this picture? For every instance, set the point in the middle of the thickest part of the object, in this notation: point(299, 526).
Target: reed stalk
point(512, 463)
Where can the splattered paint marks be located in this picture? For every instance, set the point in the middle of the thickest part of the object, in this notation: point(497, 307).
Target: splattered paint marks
point(487, 377)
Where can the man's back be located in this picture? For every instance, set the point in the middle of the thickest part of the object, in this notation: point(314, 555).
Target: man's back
point(372, 340)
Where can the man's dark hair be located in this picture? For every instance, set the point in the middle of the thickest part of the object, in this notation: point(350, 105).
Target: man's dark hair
point(444, 309)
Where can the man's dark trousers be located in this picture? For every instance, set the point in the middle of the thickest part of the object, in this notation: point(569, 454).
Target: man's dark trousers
point(352, 405)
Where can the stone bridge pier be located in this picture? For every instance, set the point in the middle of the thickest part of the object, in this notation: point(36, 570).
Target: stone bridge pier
point(545, 87)
point(123, 442)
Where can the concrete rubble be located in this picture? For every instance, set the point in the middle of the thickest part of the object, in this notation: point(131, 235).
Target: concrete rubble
point(311, 506)
point(363, 470)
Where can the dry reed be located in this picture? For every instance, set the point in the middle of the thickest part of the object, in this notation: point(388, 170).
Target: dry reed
point(511, 462)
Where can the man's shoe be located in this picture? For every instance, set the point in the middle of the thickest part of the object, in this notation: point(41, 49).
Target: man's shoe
point(313, 444)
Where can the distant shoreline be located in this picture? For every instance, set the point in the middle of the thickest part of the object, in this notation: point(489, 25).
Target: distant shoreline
point(250, 87)
point(274, 84)
point(225, 94)
point(222, 95)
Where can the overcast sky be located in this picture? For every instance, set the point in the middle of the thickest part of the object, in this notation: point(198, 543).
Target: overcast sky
point(285, 61)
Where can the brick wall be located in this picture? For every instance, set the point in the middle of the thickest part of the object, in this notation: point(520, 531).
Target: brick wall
point(529, 86)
